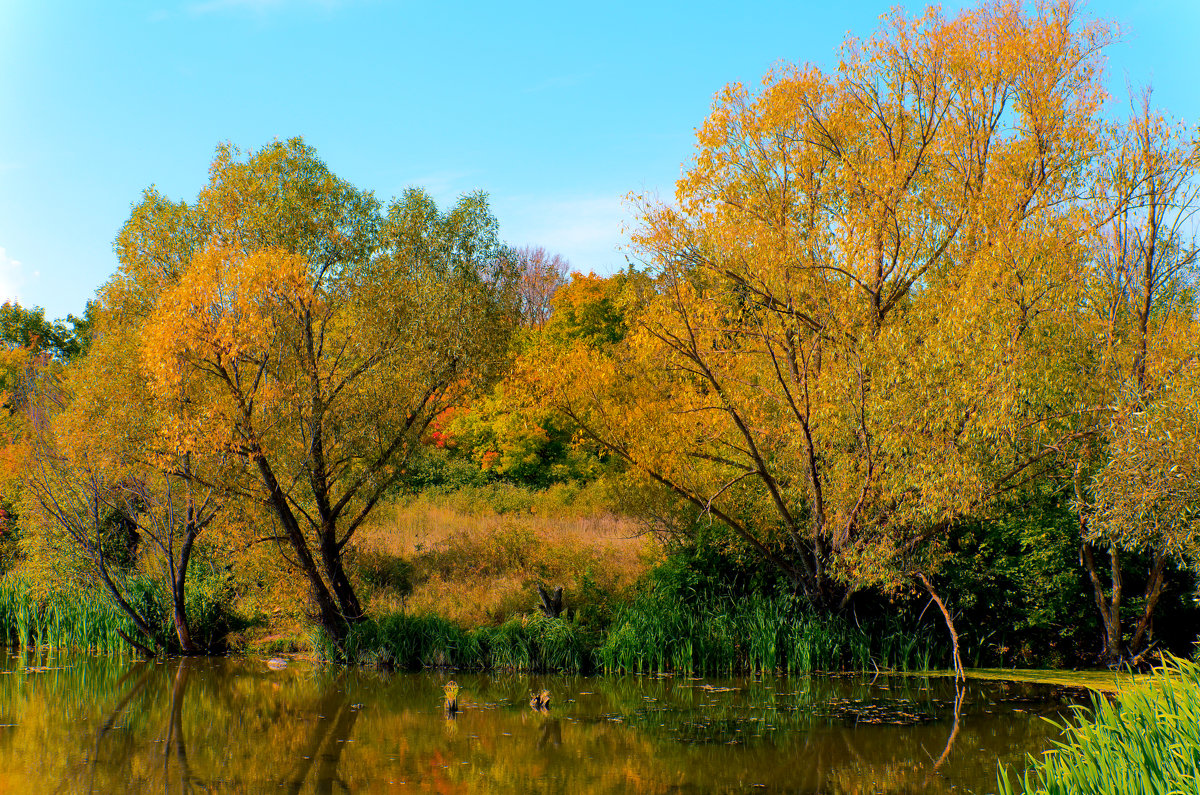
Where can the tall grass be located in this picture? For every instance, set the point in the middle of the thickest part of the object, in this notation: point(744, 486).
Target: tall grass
point(65, 620)
point(82, 619)
point(532, 643)
point(1147, 741)
point(757, 635)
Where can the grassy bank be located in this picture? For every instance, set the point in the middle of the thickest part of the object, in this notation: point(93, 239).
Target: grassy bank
point(476, 555)
point(1147, 742)
point(450, 580)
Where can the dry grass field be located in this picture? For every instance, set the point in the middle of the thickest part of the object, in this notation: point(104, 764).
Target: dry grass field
point(479, 555)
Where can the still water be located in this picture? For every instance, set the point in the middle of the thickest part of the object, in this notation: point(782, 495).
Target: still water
point(74, 724)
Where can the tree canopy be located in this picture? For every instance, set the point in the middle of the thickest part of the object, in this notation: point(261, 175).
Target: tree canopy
point(294, 324)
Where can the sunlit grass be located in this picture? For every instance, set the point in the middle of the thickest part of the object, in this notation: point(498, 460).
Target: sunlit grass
point(1145, 740)
point(476, 565)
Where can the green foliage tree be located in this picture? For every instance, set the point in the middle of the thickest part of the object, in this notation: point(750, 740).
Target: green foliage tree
point(29, 329)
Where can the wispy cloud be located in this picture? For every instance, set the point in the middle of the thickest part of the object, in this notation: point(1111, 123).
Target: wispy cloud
point(589, 230)
point(444, 186)
point(12, 276)
point(257, 7)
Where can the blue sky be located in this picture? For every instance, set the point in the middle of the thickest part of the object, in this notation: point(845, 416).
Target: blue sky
point(557, 110)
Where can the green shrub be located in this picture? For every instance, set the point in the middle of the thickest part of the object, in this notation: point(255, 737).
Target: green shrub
point(383, 571)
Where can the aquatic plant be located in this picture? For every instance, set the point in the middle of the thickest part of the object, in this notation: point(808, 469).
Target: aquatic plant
point(403, 641)
point(525, 643)
point(67, 619)
point(661, 632)
point(1146, 740)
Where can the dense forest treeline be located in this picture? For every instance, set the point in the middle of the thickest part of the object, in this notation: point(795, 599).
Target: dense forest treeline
point(916, 337)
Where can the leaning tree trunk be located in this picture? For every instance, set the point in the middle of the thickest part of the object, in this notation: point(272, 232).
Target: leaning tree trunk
point(959, 674)
point(1139, 643)
point(329, 615)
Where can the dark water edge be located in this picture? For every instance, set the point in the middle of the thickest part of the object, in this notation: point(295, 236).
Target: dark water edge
point(88, 724)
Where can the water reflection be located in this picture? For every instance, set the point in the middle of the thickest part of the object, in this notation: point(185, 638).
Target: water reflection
point(87, 724)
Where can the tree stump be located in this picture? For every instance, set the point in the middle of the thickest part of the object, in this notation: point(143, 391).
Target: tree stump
point(552, 606)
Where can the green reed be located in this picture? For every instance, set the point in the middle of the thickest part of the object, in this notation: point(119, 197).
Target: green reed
point(65, 620)
point(1146, 741)
point(535, 643)
point(757, 634)
point(655, 633)
point(528, 643)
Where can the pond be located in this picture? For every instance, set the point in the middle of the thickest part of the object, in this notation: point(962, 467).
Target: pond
point(76, 723)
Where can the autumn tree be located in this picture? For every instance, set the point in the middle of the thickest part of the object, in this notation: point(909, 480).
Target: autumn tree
point(114, 491)
point(1142, 302)
point(596, 309)
point(316, 335)
point(32, 348)
point(865, 288)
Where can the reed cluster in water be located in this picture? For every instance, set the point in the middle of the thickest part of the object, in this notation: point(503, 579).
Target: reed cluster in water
point(755, 634)
point(653, 634)
point(1147, 742)
point(68, 619)
point(409, 642)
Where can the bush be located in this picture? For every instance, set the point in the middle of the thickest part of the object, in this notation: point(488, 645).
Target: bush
point(381, 571)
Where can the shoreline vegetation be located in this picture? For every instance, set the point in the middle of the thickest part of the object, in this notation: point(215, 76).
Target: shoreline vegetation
point(1146, 740)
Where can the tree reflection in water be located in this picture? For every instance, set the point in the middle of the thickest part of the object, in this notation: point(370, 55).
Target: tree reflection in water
point(232, 725)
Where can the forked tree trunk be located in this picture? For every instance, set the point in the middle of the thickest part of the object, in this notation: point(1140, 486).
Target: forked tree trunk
point(1108, 602)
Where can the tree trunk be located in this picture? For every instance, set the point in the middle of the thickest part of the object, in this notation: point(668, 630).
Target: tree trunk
point(1109, 604)
point(1154, 587)
point(179, 596)
point(330, 617)
point(551, 606)
point(959, 674)
point(343, 591)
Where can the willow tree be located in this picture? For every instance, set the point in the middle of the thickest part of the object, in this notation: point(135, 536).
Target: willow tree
point(864, 283)
point(1142, 308)
point(315, 335)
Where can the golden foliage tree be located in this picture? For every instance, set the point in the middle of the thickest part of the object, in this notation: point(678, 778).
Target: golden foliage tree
point(866, 292)
point(314, 337)
point(1141, 296)
point(113, 491)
